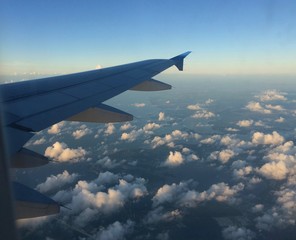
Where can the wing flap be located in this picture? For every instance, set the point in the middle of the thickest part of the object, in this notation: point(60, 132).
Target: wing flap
point(151, 85)
point(102, 114)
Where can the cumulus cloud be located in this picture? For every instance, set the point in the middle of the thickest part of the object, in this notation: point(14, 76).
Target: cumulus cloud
point(274, 107)
point(169, 139)
point(83, 131)
point(56, 128)
point(256, 107)
point(238, 233)
point(139, 105)
point(100, 195)
point(194, 107)
point(161, 116)
point(220, 192)
point(151, 126)
point(174, 159)
point(131, 136)
point(280, 120)
point(61, 153)
point(273, 170)
point(115, 231)
point(223, 156)
point(54, 182)
point(272, 95)
point(125, 127)
point(110, 129)
point(245, 123)
point(211, 139)
point(180, 194)
point(203, 114)
point(267, 139)
point(242, 172)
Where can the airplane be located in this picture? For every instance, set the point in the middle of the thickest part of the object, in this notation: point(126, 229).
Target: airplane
point(30, 106)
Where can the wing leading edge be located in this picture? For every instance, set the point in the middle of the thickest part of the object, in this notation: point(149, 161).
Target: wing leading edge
point(34, 105)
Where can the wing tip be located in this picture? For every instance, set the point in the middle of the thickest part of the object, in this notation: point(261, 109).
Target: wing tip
point(179, 60)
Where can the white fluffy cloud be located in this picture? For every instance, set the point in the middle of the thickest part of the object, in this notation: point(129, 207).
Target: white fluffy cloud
point(83, 131)
point(39, 141)
point(174, 159)
point(100, 195)
point(274, 107)
point(61, 153)
point(273, 170)
point(56, 128)
point(194, 107)
point(110, 129)
point(161, 116)
point(203, 114)
point(169, 139)
point(180, 194)
point(223, 156)
point(245, 123)
point(272, 95)
point(54, 182)
point(256, 107)
point(159, 214)
point(260, 138)
point(151, 126)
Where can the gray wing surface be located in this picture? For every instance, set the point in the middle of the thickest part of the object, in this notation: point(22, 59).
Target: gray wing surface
point(31, 106)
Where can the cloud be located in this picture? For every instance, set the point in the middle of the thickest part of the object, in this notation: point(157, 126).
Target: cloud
point(194, 107)
point(110, 129)
point(245, 123)
point(115, 231)
point(273, 170)
point(209, 101)
point(174, 159)
point(242, 172)
point(275, 107)
point(169, 139)
point(280, 120)
point(267, 139)
point(151, 126)
point(161, 116)
point(223, 156)
point(159, 214)
point(39, 141)
point(61, 153)
point(83, 131)
point(258, 208)
point(139, 105)
point(256, 107)
point(203, 114)
point(56, 128)
point(101, 196)
point(131, 136)
point(108, 163)
point(238, 233)
point(181, 195)
point(125, 127)
point(211, 139)
point(58, 181)
point(220, 192)
point(272, 95)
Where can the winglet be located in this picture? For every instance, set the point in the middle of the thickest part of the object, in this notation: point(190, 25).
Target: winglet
point(179, 60)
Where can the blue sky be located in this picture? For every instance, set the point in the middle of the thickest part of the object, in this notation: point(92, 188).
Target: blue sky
point(226, 37)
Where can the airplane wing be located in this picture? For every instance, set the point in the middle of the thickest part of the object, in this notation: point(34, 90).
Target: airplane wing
point(31, 106)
